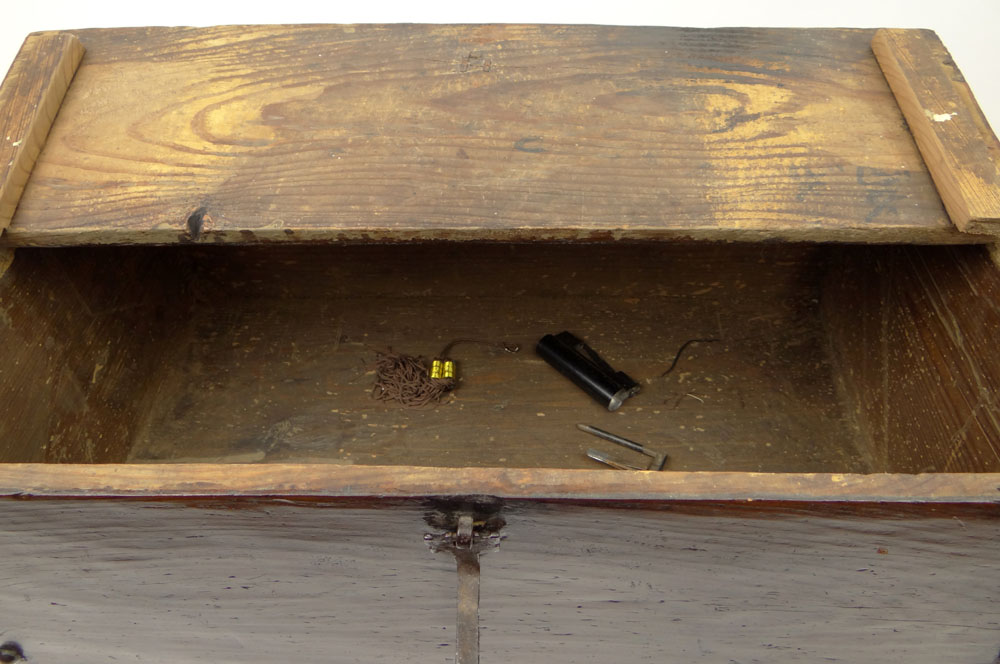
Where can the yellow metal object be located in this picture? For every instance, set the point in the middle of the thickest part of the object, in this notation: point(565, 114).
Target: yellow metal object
point(442, 369)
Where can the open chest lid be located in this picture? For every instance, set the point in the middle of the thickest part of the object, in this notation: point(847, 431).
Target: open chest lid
point(495, 132)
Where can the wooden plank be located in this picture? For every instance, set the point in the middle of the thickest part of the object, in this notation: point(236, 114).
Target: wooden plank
point(915, 336)
point(6, 260)
point(29, 100)
point(954, 137)
point(325, 480)
point(594, 585)
point(105, 581)
point(151, 582)
point(337, 133)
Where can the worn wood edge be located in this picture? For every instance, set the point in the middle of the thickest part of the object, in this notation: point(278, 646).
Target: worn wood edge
point(805, 232)
point(6, 260)
point(22, 138)
point(994, 250)
point(941, 159)
point(319, 480)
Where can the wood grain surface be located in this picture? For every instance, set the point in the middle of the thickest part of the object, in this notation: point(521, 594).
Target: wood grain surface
point(915, 338)
point(78, 337)
point(583, 585)
point(30, 96)
point(281, 480)
point(332, 133)
point(158, 583)
point(6, 260)
point(954, 137)
point(105, 581)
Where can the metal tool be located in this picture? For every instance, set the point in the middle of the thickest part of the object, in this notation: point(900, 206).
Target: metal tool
point(658, 459)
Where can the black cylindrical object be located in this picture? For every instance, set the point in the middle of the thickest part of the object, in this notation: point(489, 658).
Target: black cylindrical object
point(581, 364)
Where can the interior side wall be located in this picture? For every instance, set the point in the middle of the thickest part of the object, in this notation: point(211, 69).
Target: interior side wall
point(916, 332)
point(79, 331)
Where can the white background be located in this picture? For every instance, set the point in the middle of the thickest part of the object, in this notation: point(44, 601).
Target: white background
point(969, 28)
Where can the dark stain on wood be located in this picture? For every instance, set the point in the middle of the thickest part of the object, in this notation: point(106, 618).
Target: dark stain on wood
point(197, 221)
point(529, 144)
point(11, 651)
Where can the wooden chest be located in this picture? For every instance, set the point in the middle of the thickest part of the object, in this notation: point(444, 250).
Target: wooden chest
point(214, 234)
